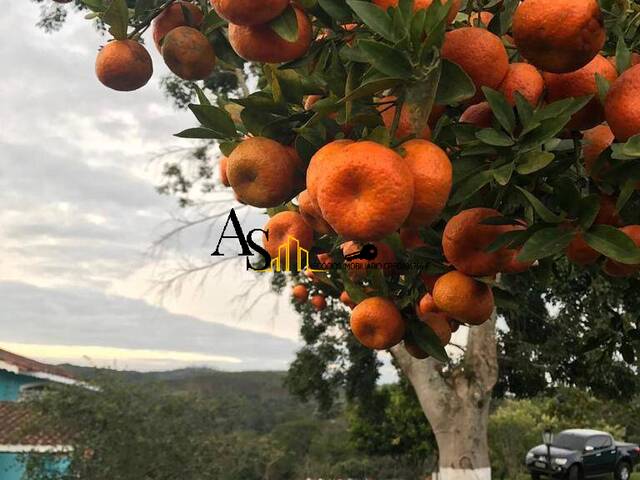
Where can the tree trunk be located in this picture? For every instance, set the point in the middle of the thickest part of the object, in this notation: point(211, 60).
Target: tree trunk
point(456, 403)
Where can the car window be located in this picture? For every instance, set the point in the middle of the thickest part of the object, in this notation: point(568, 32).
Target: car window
point(599, 441)
point(569, 441)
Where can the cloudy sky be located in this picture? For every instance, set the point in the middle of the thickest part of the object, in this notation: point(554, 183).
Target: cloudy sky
point(79, 214)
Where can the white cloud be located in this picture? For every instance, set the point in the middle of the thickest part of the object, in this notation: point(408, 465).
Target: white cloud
point(79, 211)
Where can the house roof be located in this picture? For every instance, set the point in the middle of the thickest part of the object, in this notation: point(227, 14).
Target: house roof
point(17, 433)
point(25, 366)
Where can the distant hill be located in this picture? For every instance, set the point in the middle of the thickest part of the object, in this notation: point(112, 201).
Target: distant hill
point(260, 398)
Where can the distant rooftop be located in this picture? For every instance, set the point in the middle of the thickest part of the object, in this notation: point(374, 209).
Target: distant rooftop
point(13, 363)
point(16, 423)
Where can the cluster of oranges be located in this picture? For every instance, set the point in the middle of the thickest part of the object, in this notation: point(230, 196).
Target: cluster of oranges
point(362, 192)
point(126, 65)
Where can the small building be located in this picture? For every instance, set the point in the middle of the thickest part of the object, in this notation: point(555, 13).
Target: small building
point(21, 378)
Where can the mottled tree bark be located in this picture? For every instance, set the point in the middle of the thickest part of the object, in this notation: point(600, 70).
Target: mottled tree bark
point(456, 403)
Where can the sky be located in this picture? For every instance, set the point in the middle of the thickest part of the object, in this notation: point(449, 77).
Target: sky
point(79, 214)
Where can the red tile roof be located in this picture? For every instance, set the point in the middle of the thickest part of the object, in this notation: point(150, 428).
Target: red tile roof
point(16, 428)
point(27, 366)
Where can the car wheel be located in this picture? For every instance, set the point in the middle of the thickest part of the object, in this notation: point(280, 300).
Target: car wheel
point(623, 471)
point(574, 473)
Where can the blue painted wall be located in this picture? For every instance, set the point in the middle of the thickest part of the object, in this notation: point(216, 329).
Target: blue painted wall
point(10, 384)
point(10, 467)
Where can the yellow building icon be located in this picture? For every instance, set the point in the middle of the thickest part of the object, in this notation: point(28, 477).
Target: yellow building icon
point(291, 256)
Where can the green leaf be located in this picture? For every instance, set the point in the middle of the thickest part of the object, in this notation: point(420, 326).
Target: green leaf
point(199, 132)
point(533, 161)
point(212, 21)
point(372, 87)
point(623, 56)
point(455, 85)
point(214, 118)
point(202, 97)
point(286, 25)
point(143, 6)
point(386, 59)
point(588, 211)
point(632, 147)
point(613, 243)
point(543, 212)
point(501, 109)
point(626, 193)
point(525, 110)
point(603, 87)
point(374, 17)
point(336, 9)
point(228, 147)
point(95, 5)
point(491, 136)
point(117, 18)
point(545, 243)
point(503, 174)
point(470, 186)
point(544, 131)
point(356, 292)
point(427, 340)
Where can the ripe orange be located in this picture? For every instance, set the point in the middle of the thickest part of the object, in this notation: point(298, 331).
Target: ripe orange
point(124, 65)
point(425, 305)
point(463, 298)
point(616, 269)
point(439, 323)
point(249, 12)
point(622, 106)
point(525, 79)
point(559, 37)
point(173, 17)
point(580, 253)
point(321, 163)
point(319, 302)
point(581, 83)
point(433, 177)
point(385, 259)
point(421, 4)
point(259, 43)
point(312, 215)
point(300, 293)
point(188, 53)
point(346, 299)
point(465, 241)
point(280, 228)
point(608, 214)
point(481, 19)
point(262, 172)
point(405, 128)
point(377, 323)
point(480, 54)
point(367, 193)
point(222, 170)
point(479, 115)
point(596, 141)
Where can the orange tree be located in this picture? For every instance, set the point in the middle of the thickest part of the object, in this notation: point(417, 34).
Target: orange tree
point(420, 150)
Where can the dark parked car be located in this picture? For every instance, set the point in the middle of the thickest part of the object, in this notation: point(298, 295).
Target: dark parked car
point(581, 454)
